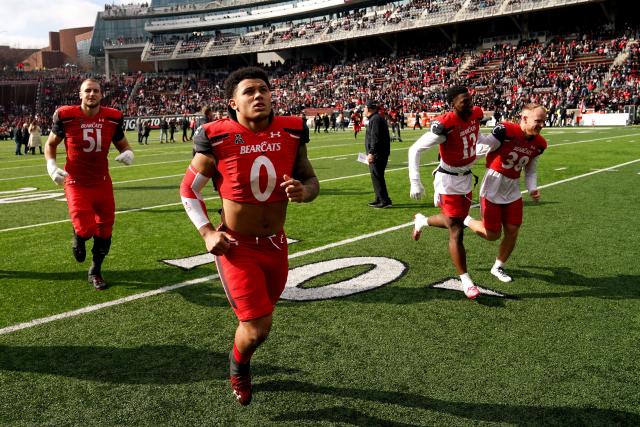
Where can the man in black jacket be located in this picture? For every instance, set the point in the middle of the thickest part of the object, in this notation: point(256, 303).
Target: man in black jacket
point(377, 144)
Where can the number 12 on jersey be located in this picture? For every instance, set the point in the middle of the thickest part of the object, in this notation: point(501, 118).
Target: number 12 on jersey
point(469, 150)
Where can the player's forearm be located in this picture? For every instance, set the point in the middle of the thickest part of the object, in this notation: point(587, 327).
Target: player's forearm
point(311, 187)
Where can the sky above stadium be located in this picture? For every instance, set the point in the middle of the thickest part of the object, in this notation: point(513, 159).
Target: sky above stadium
point(26, 23)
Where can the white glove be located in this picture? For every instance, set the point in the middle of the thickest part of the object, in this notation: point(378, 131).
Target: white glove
point(126, 157)
point(56, 174)
point(417, 190)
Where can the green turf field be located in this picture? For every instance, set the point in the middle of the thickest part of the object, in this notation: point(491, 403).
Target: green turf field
point(565, 352)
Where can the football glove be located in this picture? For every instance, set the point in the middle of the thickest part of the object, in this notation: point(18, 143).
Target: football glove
point(126, 157)
point(56, 174)
point(417, 190)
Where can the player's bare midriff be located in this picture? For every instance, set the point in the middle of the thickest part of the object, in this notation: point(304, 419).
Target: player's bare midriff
point(259, 220)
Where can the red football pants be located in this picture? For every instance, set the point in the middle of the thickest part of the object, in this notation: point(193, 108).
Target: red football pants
point(92, 209)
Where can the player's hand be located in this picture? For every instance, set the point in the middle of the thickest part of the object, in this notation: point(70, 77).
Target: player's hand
point(535, 195)
point(218, 242)
point(56, 174)
point(417, 190)
point(126, 157)
point(294, 189)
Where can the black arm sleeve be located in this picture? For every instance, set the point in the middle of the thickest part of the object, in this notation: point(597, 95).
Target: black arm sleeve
point(118, 135)
point(499, 132)
point(58, 127)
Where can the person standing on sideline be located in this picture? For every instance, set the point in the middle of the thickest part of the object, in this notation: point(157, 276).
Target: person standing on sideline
point(140, 128)
point(25, 137)
point(35, 134)
point(164, 130)
point(377, 145)
point(185, 128)
point(259, 163)
point(510, 148)
point(417, 121)
point(17, 137)
point(172, 129)
point(88, 130)
point(456, 134)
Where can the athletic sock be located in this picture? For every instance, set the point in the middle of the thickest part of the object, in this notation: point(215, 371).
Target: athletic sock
point(242, 358)
point(466, 280)
point(497, 264)
point(239, 363)
point(467, 220)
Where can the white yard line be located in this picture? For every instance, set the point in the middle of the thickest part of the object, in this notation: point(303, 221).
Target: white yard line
point(91, 308)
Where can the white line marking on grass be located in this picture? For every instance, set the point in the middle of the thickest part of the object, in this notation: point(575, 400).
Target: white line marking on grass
point(561, 169)
point(145, 208)
point(91, 308)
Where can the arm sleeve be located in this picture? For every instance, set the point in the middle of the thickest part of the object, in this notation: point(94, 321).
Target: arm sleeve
point(304, 138)
point(58, 127)
point(426, 141)
point(119, 132)
point(530, 175)
point(191, 195)
point(487, 144)
point(201, 143)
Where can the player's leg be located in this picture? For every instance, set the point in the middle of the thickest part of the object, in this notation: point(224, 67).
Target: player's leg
point(491, 225)
point(104, 206)
point(512, 217)
point(82, 218)
point(245, 285)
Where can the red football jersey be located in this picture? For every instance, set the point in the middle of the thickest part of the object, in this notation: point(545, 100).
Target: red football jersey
point(87, 140)
point(516, 150)
point(251, 164)
point(460, 147)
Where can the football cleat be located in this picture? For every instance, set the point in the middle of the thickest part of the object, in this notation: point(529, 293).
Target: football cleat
point(98, 282)
point(374, 203)
point(501, 275)
point(78, 248)
point(419, 221)
point(241, 385)
point(472, 292)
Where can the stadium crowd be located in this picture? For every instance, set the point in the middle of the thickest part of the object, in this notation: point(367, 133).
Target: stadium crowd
point(563, 73)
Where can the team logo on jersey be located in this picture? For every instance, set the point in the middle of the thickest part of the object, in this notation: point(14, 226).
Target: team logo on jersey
point(275, 134)
point(239, 139)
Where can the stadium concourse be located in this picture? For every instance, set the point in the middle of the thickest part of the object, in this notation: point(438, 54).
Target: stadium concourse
point(595, 71)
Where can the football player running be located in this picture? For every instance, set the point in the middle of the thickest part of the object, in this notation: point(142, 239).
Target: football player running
point(456, 134)
point(88, 130)
point(259, 163)
point(510, 148)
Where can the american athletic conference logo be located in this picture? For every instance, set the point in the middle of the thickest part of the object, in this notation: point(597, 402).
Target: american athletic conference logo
point(239, 139)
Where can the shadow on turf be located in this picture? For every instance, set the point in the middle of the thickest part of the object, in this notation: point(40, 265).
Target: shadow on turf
point(153, 364)
point(620, 286)
point(340, 415)
point(483, 412)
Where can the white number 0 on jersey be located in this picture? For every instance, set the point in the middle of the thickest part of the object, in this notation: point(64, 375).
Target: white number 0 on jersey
point(259, 163)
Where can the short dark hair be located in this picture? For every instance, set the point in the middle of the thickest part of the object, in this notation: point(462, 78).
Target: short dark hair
point(92, 80)
point(234, 79)
point(454, 91)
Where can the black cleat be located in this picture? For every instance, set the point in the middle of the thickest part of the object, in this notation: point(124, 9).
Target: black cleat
point(78, 248)
point(98, 282)
point(374, 203)
point(383, 205)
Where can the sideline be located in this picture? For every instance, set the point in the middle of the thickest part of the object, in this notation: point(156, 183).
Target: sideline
point(89, 309)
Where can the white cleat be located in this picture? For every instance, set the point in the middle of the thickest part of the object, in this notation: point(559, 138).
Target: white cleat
point(472, 292)
point(419, 221)
point(501, 275)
